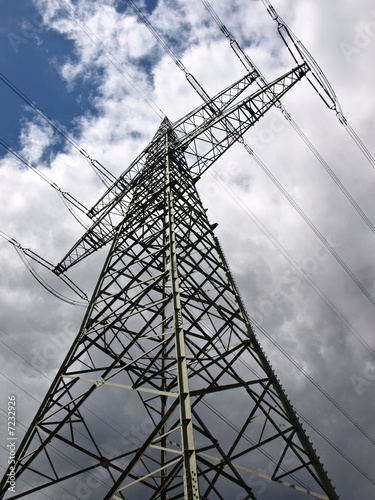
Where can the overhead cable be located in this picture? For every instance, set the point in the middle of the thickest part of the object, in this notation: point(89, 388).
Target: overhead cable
point(95, 165)
point(68, 200)
point(262, 82)
point(293, 263)
point(25, 252)
point(51, 122)
point(250, 151)
point(312, 226)
point(299, 51)
point(190, 78)
point(314, 382)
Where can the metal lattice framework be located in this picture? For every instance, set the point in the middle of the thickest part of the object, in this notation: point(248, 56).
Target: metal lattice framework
point(167, 337)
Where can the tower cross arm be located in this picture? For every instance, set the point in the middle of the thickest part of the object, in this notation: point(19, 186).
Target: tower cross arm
point(220, 127)
point(221, 131)
point(218, 104)
point(115, 200)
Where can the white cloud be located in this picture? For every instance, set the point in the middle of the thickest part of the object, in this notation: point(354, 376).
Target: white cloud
point(35, 138)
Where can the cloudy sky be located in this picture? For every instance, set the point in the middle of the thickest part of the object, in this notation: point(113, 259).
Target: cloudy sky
point(97, 71)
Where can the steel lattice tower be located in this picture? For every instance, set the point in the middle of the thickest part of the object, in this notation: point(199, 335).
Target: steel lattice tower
point(167, 337)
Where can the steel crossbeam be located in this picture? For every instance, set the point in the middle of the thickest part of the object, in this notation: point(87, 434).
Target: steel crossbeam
point(212, 124)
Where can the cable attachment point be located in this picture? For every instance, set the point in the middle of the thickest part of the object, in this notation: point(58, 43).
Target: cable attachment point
point(224, 30)
point(104, 175)
point(271, 10)
point(341, 118)
point(286, 114)
point(181, 67)
point(86, 155)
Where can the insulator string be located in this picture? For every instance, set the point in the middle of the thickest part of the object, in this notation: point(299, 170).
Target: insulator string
point(98, 168)
point(250, 151)
point(24, 253)
point(262, 82)
point(68, 200)
point(328, 96)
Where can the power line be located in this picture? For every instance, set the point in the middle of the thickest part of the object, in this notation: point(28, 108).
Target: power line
point(190, 78)
point(66, 198)
point(312, 226)
point(299, 51)
point(37, 110)
point(334, 177)
point(101, 171)
point(314, 382)
point(24, 253)
point(262, 82)
point(293, 263)
point(251, 152)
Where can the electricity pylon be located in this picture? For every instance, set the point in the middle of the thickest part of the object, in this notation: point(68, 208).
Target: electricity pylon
point(166, 392)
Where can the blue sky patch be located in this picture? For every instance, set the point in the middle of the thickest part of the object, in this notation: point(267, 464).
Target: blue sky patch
point(31, 55)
